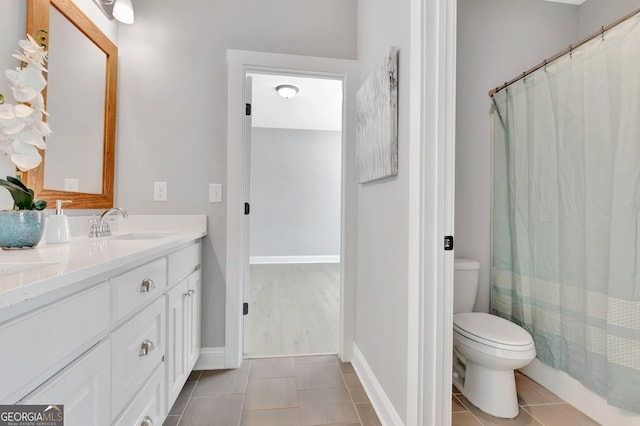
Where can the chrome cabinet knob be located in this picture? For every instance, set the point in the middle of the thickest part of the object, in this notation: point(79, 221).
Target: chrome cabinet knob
point(147, 421)
point(146, 348)
point(147, 285)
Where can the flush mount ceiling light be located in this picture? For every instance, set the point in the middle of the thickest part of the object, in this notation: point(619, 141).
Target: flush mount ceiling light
point(287, 91)
point(122, 10)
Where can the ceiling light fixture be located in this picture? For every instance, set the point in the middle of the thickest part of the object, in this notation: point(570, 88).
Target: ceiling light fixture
point(287, 91)
point(122, 10)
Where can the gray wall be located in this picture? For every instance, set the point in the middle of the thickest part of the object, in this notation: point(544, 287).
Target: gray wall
point(596, 13)
point(295, 192)
point(497, 40)
point(383, 219)
point(173, 104)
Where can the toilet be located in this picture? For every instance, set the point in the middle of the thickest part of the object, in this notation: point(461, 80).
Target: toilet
point(486, 348)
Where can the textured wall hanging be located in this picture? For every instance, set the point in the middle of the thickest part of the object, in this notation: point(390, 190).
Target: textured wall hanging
point(377, 122)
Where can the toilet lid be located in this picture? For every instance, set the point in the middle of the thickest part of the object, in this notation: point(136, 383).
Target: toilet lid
point(491, 329)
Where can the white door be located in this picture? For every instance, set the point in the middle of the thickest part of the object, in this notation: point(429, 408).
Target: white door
point(246, 193)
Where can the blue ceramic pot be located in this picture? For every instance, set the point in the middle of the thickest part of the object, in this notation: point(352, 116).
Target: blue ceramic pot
point(20, 228)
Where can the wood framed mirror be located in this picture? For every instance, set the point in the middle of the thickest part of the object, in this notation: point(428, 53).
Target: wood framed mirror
point(78, 164)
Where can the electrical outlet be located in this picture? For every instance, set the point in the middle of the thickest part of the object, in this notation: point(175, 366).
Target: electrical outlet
point(215, 192)
point(160, 191)
point(71, 184)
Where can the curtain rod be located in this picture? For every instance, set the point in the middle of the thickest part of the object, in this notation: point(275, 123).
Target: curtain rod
point(564, 52)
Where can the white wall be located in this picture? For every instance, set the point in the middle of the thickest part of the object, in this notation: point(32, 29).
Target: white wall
point(497, 40)
point(172, 119)
point(295, 192)
point(383, 218)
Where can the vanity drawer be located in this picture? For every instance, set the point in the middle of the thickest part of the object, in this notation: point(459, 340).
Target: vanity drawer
point(147, 408)
point(40, 344)
point(183, 262)
point(137, 349)
point(83, 388)
point(138, 287)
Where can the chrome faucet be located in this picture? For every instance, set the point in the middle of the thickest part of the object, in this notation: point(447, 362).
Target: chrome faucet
point(100, 226)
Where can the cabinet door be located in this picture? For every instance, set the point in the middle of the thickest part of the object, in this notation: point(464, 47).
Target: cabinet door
point(83, 388)
point(193, 317)
point(177, 369)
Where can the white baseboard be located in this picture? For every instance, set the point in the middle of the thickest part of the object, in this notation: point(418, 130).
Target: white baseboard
point(210, 359)
point(379, 400)
point(573, 392)
point(265, 260)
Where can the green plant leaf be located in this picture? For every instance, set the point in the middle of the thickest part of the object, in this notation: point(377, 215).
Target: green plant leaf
point(21, 198)
point(18, 182)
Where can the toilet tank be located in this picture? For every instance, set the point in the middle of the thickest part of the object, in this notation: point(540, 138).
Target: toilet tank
point(465, 284)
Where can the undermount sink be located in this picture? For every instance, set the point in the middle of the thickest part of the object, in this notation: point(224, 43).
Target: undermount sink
point(17, 267)
point(141, 236)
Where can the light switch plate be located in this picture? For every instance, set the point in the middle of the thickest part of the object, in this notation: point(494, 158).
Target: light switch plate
point(160, 191)
point(215, 192)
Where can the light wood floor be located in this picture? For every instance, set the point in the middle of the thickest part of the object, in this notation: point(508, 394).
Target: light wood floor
point(294, 309)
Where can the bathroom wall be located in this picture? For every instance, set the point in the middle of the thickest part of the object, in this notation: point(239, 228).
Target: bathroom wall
point(295, 192)
point(173, 104)
point(383, 216)
point(497, 40)
point(594, 14)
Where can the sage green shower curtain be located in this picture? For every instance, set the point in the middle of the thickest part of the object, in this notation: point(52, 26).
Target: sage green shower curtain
point(566, 212)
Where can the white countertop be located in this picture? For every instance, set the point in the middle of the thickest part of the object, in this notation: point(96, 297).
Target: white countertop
point(25, 274)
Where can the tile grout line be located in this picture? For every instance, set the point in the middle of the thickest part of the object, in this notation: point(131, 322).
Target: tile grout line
point(349, 393)
point(474, 416)
point(188, 399)
point(531, 414)
point(244, 394)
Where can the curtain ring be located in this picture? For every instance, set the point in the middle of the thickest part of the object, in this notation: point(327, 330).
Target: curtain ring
point(545, 65)
point(571, 51)
point(602, 32)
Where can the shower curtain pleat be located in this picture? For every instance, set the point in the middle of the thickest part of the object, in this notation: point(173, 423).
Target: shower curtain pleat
point(566, 210)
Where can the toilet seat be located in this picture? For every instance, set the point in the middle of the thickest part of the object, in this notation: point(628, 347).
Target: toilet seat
point(492, 331)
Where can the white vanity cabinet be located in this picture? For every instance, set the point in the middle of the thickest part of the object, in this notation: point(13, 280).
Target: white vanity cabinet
point(184, 318)
point(41, 342)
point(83, 388)
point(114, 349)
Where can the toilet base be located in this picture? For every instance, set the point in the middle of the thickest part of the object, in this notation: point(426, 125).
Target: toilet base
point(492, 391)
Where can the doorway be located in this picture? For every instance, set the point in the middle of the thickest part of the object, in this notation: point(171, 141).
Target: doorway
point(239, 64)
point(292, 286)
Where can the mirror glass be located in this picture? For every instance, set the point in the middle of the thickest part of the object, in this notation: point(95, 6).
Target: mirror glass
point(75, 103)
point(78, 164)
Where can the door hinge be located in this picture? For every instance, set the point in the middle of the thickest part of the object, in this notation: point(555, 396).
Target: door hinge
point(245, 308)
point(247, 109)
point(247, 208)
point(448, 242)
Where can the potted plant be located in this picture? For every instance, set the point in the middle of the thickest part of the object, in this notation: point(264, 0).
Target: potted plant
point(22, 134)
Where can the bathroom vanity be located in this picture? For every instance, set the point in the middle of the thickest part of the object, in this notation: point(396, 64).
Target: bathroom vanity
point(108, 327)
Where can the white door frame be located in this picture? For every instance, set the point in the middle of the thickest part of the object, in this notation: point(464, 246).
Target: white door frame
point(432, 135)
point(239, 64)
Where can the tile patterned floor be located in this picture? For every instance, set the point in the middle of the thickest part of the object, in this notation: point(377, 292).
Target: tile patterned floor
point(296, 391)
point(538, 406)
